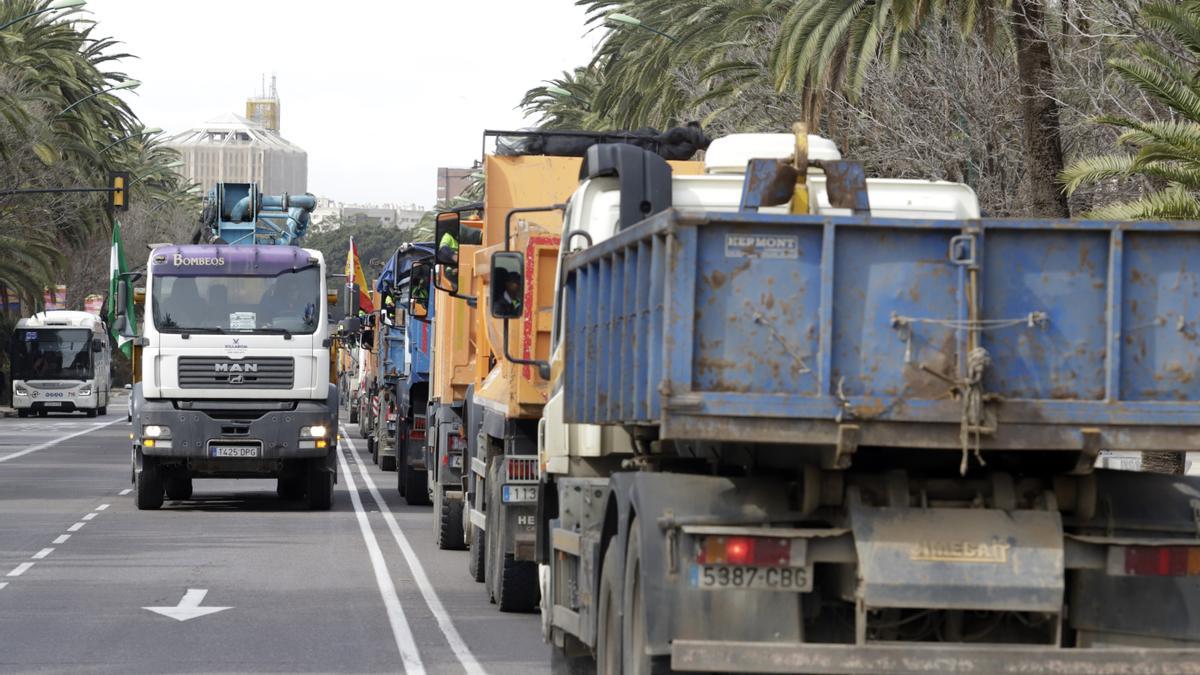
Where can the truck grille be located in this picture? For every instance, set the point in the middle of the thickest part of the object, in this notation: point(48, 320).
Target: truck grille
point(260, 372)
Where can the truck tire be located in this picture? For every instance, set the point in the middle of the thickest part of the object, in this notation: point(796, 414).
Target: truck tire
point(319, 487)
point(22, 413)
point(178, 488)
point(90, 412)
point(148, 485)
point(371, 450)
point(448, 514)
point(515, 586)
point(608, 623)
point(635, 660)
point(353, 413)
point(387, 462)
point(416, 487)
point(476, 558)
point(102, 410)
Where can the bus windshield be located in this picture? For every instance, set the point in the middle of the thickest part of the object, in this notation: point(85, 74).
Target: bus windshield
point(287, 303)
point(52, 354)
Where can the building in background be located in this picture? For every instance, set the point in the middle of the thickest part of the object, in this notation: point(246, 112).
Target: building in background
point(452, 182)
point(236, 149)
point(331, 215)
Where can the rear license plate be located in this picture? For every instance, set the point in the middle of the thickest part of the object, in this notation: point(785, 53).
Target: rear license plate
point(519, 493)
point(738, 577)
point(237, 451)
point(53, 404)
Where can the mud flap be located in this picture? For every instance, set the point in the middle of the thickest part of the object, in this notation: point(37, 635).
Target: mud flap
point(941, 558)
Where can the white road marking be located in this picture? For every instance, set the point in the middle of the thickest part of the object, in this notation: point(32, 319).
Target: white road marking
point(42, 553)
point(102, 507)
point(189, 606)
point(89, 516)
point(56, 441)
point(62, 539)
point(76, 527)
point(456, 642)
point(20, 569)
point(410, 658)
point(125, 491)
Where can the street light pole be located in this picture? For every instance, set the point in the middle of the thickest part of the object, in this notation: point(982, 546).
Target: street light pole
point(145, 132)
point(127, 84)
point(617, 17)
point(60, 4)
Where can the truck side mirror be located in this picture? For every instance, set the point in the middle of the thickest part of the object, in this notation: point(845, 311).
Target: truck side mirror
point(418, 291)
point(123, 323)
point(349, 326)
point(507, 285)
point(447, 223)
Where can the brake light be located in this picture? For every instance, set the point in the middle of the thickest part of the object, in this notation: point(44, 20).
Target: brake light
point(457, 442)
point(730, 550)
point(521, 468)
point(419, 423)
point(1162, 561)
point(416, 434)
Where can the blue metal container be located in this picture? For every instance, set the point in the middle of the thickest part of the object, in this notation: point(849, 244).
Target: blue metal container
point(1009, 334)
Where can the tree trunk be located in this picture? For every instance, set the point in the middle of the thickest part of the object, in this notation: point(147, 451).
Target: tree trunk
point(1043, 140)
point(1163, 462)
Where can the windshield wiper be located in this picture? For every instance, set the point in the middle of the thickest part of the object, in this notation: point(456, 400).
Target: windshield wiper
point(287, 334)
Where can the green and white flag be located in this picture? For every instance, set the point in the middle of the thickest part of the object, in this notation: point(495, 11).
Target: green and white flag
point(116, 267)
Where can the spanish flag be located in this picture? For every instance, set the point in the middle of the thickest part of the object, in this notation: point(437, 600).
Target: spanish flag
point(354, 275)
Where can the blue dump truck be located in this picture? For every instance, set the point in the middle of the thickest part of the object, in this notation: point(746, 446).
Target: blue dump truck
point(807, 422)
point(404, 396)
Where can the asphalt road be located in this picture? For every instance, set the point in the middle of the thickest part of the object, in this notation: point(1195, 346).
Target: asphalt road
point(359, 589)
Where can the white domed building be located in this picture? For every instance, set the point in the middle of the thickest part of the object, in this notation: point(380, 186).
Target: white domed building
point(232, 149)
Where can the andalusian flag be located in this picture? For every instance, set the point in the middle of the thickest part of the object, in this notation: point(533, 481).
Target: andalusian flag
point(354, 275)
point(116, 267)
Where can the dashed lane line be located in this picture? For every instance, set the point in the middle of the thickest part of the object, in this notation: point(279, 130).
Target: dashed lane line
point(76, 527)
point(20, 569)
point(43, 553)
point(61, 539)
point(48, 444)
point(456, 642)
point(126, 491)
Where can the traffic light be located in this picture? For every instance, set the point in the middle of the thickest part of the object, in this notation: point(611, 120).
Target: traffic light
point(118, 183)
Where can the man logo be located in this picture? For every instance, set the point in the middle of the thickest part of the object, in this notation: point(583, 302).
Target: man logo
point(237, 379)
point(235, 367)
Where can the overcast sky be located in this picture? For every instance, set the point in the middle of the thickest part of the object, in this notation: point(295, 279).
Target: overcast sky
point(379, 92)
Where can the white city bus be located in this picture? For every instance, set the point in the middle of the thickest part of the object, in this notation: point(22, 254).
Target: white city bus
point(60, 363)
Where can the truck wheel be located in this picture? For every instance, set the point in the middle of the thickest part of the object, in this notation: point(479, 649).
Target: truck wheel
point(416, 487)
point(149, 485)
point(372, 450)
point(387, 462)
point(401, 475)
point(515, 586)
point(608, 625)
point(22, 413)
point(476, 558)
point(179, 488)
point(90, 413)
point(633, 633)
point(353, 413)
point(319, 488)
point(43, 413)
point(102, 410)
point(448, 513)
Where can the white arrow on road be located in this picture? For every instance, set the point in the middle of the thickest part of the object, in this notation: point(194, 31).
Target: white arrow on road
point(189, 606)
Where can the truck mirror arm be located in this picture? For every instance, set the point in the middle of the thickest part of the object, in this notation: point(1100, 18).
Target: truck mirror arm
point(542, 366)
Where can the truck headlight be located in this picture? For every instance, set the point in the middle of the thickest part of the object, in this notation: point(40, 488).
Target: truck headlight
point(156, 431)
point(20, 390)
point(85, 390)
point(315, 431)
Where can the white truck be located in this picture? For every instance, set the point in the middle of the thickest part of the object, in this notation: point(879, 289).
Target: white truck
point(236, 353)
point(60, 363)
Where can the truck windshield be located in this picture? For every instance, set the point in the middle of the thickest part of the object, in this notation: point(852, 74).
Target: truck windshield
point(287, 303)
point(52, 354)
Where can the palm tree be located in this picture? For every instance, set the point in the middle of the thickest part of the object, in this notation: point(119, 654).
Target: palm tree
point(50, 136)
point(567, 102)
point(814, 46)
point(1167, 151)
